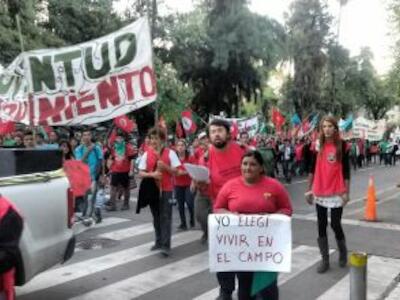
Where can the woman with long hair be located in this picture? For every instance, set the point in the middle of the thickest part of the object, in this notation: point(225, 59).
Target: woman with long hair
point(182, 185)
point(329, 187)
point(67, 150)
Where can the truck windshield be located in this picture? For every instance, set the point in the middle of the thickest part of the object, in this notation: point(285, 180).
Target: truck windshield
point(19, 161)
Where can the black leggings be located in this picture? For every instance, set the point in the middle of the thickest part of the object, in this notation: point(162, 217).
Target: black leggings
point(336, 219)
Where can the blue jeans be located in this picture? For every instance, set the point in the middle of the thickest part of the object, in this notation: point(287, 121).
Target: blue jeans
point(184, 195)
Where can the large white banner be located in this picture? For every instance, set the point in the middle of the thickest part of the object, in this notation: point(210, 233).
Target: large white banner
point(249, 242)
point(368, 129)
point(81, 84)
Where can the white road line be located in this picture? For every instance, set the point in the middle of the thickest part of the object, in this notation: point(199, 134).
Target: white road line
point(303, 257)
point(395, 294)
point(125, 233)
point(361, 199)
point(378, 225)
point(146, 282)
point(74, 271)
point(80, 228)
point(381, 272)
point(128, 232)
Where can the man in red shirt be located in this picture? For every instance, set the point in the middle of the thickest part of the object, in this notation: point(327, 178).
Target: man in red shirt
point(121, 153)
point(223, 160)
point(202, 146)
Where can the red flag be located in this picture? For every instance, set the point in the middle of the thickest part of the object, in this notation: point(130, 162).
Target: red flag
point(314, 135)
point(78, 174)
point(179, 131)
point(234, 130)
point(295, 131)
point(188, 123)
point(6, 127)
point(124, 123)
point(277, 119)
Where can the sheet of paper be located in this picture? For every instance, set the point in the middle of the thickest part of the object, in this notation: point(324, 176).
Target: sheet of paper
point(198, 173)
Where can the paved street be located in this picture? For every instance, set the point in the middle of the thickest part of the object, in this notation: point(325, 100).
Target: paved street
point(125, 268)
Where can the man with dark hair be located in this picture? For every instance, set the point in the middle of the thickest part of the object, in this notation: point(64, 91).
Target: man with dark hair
point(223, 160)
point(121, 153)
point(39, 139)
point(92, 155)
point(160, 163)
point(29, 142)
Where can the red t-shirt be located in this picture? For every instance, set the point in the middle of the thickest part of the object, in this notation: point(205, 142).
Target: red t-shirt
point(223, 166)
point(151, 165)
point(299, 152)
point(122, 164)
point(328, 175)
point(198, 153)
point(184, 180)
point(266, 196)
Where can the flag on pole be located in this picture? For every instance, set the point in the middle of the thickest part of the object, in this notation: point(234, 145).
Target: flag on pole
point(6, 127)
point(124, 123)
point(295, 120)
point(188, 123)
point(234, 130)
point(277, 119)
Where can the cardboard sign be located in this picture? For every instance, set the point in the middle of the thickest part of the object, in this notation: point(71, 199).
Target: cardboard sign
point(81, 84)
point(249, 242)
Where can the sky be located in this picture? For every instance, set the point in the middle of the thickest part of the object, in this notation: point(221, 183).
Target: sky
point(363, 23)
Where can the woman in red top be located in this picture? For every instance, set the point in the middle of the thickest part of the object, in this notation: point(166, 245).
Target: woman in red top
point(253, 193)
point(329, 188)
point(182, 185)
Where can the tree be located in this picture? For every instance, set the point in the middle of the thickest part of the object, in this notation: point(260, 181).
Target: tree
point(375, 95)
point(77, 21)
point(225, 52)
point(172, 95)
point(340, 83)
point(34, 35)
point(308, 25)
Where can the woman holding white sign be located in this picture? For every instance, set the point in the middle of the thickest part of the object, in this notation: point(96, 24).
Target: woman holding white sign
point(329, 182)
point(254, 193)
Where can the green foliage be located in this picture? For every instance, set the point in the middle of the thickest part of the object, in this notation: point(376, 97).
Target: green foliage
point(77, 21)
point(34, 35)
point(172, 95)
point(308, 25)
point(225, 52)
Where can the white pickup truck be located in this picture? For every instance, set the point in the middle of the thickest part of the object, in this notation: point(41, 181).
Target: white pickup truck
point(35, 182)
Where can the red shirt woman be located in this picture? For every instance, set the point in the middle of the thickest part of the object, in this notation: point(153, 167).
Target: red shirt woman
point(329, 183)
point(253, 193)
point(182, 185)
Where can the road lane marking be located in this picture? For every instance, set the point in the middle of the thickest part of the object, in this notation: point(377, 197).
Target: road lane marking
point(128, 232)
point(77, 270)
point(303, 257)
point(80, 228)
point(136, 286)
point(381, 273)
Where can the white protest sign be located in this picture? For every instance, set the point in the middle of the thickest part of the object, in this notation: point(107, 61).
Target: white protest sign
point(249, 242)
point(198, 173)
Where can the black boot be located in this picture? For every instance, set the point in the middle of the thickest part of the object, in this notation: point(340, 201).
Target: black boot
point(97, 213)
point(324, 249)
point(342, 253)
